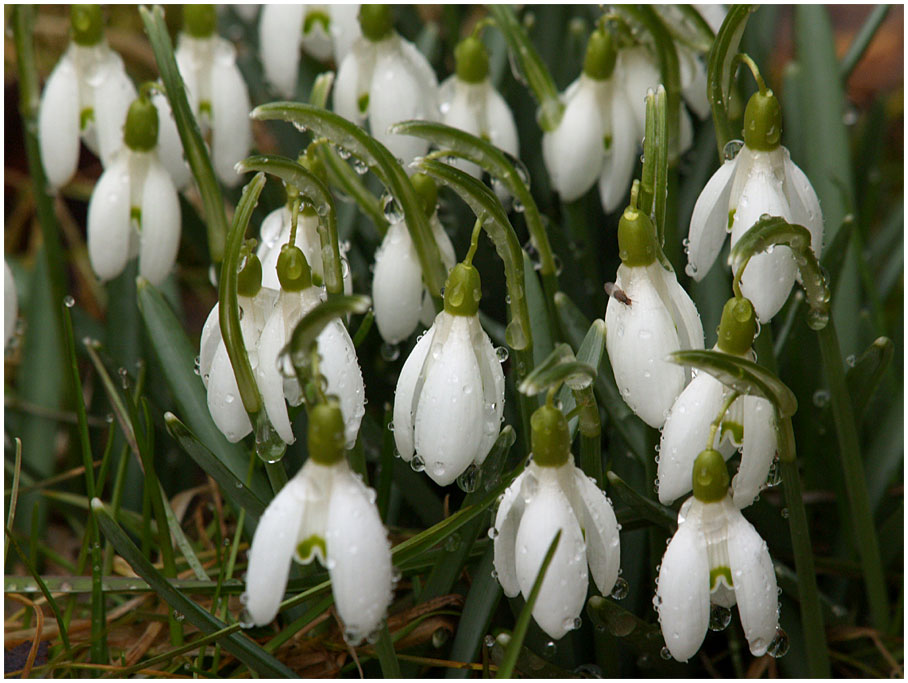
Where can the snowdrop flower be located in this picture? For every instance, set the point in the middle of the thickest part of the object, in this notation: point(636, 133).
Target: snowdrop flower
point(748, 422)
point(399, 297)
point(134, 209)
point(450, 393)
point(10, 304)
point(715, 557)
point(386, 79)
point(552, 494)
point(87, 96)
point(596, 138)
point(649, 316)
point(337, 355)
point(224, 401)
point(761, 179)
point(468, 101)
point(325, 511)
point(216, 90)
point(322, 31)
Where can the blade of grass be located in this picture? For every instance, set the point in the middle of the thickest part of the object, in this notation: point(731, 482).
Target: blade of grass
point(644, 507)
point(862, 41)
point(387, 657)
point(14, 495)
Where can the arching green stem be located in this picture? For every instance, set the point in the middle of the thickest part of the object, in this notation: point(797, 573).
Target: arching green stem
point(714, 426)
point(744, 58)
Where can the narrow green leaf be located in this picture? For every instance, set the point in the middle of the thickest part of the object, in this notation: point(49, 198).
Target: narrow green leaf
point(304, 336)
point(387, 657)
point(560, 366)
point(244, 649)
point(742, 375)
point(643, 507)
point(862, 41)
point(864, 376)
point(321, 88)
point(488, 210)
point(641, 637)
point(591, 353)
point(190, 136)
point(14, 494)
point(506, 668)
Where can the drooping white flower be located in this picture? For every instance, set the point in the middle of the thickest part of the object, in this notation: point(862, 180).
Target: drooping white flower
point(749, 422)
point(596, 138)
point(337, 356)
point(216, 91)
point(760, 180)
point(648, 317)
point(552, 494)
point(450, 392)
point(324, 511)
point(322, 31)
point(10, 304)
point(87, 95)
point(715, 557)
point(468, 101)
point(385, 79)
point(134, 209)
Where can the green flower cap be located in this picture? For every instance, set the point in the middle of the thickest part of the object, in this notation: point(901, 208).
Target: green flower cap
point(249, 279)
point(293, 270)
point(636, 238)
point(472, 60)
point(710, 477)
point(737, 327)
point(326, 433)
point(550, 437)
point(463, 290)
point(313, 17)
point(601, 55)
point(141, 130)
point(427, 192)
point(763, 122)
point(199, 21)
point(87, 24)
point(376, 21)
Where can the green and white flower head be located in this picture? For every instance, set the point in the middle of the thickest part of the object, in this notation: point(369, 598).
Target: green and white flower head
point(10, 304)
point(337, 361)
point(321, 31)
point(648, 317)
point(552, 494)
point(134, 209)
point(325, 511)
point(450, 393)
point(596, 138)
point(716, 557)
point(384, 80)
point(86, 96)
point(749, 422)
point(761, 179)
point(399, 298)
point(468, 101)
point(217, 93)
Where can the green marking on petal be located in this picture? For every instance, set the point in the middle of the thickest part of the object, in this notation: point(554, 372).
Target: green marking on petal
point(315, 17)
point(205, 107)
point(86, 116)
point(135, 214)
point(735, 430)
point(305, 550)
point(363, 103)
point(607, 142)
point(731, 219)
point(720, 572)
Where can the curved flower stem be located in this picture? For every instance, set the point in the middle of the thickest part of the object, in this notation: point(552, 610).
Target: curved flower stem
point(714, 427)
point(345, 179)
point(743, 57)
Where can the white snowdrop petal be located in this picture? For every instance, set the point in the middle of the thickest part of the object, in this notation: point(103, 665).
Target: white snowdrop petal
point(693, 82)
point(352, 82)
point(58, 123)
point(280, 32)
point(272, 549)
point(267, 375)
point(449, 413)
point(684, 434)
point(404, 398)
point(638, 73)
point(462, 111)
point(575, 151)
point(603, 547)
point(159, 234)
point(397, 287)
point(317, 43)
point(109, 229)
point(359, 555)
point(170, 148)
point(709, 221)
point(805, 206)
point(448, 256)
point(10, 304)
point(344, 29)
point(683, 591)
point(224, 401)
point(492, 378)
point(112, 97)
point(563, 591)
point(208, 346)
point(500, 125)
point(341, 369)
point(760, 446)
point(507, 522)
point(231, 130)
point(618, 165)
point(681, 308)
point(754, 583)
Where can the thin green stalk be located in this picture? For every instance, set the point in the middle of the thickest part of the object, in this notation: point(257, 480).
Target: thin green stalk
point(590, 428)
point(277, 475)
point(345, 179)
point(855, 477)
point(387, 657)
point(862, 41)
point(14, 495)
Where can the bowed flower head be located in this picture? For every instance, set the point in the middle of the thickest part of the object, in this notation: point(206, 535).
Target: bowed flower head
point(385, 79)
point(715, 557)
point(761, 179)
point(87, 95)
point(450, 393)
point(325, 511)
point(134, 209)
point(747, 423)
point(648, 317)
point(552, 494)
